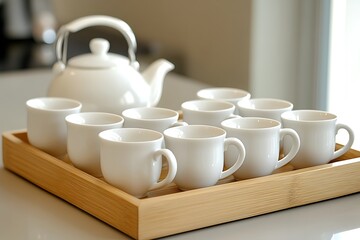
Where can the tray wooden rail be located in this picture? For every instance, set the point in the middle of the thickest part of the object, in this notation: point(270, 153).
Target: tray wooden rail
point(170, 211)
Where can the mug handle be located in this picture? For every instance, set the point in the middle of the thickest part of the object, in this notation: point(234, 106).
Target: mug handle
point(350, 142)
point(172, 165)
point(240, 159)
point(294, 147)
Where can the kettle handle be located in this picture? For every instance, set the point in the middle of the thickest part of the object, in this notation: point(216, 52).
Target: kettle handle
point(95, 20)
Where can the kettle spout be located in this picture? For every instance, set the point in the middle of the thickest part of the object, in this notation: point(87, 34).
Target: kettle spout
point(154, 75)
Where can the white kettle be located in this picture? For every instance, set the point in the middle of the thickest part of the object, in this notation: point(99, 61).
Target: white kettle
point(104, 81)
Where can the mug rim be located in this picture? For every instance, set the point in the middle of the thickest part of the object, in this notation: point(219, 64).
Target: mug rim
point(75, 119)
point(245, 93)
point(274, 123)
point(175, 132)
point(112, 135)
point(293, 116)
point(230, 106)
point(72, 104)
point(248, 104)
point(126, 112)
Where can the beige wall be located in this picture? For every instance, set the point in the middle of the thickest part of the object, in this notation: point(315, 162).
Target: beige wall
point(288, 51)
point(275, 41)
point(212, 37)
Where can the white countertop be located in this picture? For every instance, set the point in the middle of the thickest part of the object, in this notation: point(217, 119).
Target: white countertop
point(28, 212)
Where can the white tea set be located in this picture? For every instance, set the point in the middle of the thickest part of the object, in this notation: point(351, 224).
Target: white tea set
point(101, 113)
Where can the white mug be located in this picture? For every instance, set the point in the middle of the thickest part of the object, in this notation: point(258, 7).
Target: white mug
point(264, 107)
point(261, 138)
point(131, 160)
point(153, 118)
point(317, 131)
point(207, 112)
point(46, 127)
point(232, 95)
point(199, 151)
point(83, 144)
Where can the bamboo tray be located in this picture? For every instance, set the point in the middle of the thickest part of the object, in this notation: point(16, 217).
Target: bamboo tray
point(169, 211)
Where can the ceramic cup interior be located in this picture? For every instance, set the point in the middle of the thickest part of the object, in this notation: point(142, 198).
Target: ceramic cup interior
point(53, 104)
point(130, 135)
point(94, 118)
point(264, 107)
point(207, 105)
point(308, 115)
point(250, 123)
point(150, 113)
point(219, 93)
point(194, 132)
point(265, 104)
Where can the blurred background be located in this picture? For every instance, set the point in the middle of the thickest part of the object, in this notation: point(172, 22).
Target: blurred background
point(304, 51)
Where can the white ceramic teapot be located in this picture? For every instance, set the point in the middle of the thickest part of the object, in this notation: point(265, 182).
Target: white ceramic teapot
point(104, 81)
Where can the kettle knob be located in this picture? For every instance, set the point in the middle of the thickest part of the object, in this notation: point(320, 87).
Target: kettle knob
point(99, 46)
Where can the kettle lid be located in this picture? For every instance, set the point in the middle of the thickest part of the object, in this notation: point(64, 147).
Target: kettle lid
point(99, 57)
